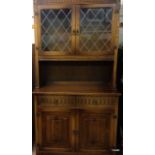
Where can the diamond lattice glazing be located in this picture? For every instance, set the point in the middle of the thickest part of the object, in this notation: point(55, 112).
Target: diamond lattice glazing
point(95, 29)
point(56, 30)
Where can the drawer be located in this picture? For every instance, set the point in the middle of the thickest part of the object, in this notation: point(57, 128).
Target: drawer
point(96, 101)
point(56, 100)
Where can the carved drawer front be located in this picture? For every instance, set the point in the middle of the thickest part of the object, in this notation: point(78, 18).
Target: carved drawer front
point(56, 101)
point(96, 101)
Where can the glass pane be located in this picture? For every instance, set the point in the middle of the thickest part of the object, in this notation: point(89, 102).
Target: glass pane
point(56, 30)
point(95, 29)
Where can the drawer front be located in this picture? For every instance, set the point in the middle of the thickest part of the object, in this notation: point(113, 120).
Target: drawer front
point(96, 101)
point(56, 101)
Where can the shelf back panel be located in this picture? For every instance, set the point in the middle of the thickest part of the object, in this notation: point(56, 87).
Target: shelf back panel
point(75, 71)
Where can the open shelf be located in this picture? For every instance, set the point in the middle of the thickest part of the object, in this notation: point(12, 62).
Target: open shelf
point(72, 71)
point(76, 88)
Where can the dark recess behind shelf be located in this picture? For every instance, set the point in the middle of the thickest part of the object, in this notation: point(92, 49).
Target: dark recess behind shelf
point(75, 71)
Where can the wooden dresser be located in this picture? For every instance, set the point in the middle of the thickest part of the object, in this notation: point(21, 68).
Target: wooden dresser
point(75, 94)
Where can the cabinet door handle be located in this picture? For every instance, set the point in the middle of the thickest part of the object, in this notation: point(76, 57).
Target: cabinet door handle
point(77, 31)
point(74, 32)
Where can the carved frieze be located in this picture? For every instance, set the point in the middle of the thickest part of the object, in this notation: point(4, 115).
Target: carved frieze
point(76, 101)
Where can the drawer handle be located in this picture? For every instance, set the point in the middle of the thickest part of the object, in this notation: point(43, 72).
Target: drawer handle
point(74, 32)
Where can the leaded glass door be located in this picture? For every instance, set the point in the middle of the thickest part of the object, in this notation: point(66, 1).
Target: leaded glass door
point(57, 24)
point(94, 29)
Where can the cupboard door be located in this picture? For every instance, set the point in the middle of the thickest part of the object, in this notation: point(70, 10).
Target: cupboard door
point(95, 131)
point(94, 29)
point(57, 24)
point(55, 130)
